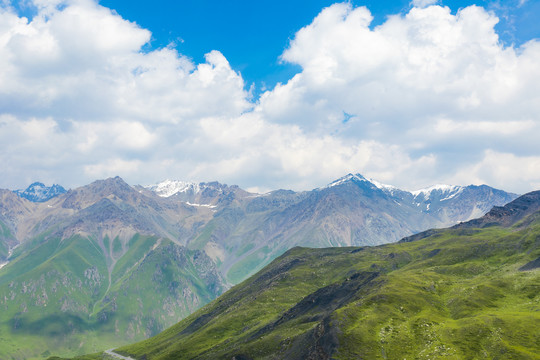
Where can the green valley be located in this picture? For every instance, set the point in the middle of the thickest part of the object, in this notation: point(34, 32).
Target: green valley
point(61, 296)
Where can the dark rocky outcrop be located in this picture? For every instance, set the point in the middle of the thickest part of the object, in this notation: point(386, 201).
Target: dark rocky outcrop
point(531, 265)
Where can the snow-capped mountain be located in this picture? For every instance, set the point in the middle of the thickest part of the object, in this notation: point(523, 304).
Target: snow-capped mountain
point(204, 194)
point(448, 191)
point(358, 178)
point(38, 192)
point(169, 188)
point(449, 204)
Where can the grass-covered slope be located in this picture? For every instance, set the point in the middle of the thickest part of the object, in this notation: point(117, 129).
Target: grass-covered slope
point(6, 237)
point(463, 293)
point(78, 295)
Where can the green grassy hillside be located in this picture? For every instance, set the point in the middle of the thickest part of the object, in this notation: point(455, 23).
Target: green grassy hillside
point(78, 295)
point(5, 238)
point(458, 294)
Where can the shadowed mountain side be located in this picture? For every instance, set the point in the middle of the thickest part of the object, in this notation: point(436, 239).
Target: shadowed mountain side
point(507, 215)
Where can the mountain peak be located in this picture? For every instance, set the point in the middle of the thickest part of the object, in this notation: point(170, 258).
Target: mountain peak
point(89, 194)
point(38, 192)
point(360, 179)
point(347, 178)
point(116, 181)
point(169, 188)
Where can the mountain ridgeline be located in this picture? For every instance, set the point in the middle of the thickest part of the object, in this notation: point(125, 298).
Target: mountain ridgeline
point(467, 292)
point(108, 263)
point(246, 231)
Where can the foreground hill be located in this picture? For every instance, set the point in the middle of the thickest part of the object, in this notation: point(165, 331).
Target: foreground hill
point(472, 291)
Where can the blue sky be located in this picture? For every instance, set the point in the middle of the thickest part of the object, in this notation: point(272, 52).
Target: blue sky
point(253, 34)
point(270, 94)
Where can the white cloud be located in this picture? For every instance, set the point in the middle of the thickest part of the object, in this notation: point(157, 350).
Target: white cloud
point(429, 82)
point(111, 167)
point(120, 135)
point(426, 63)
point(75, 86)
point(503, 170)
point(446, 126)
point(248, 147)
point(430, 96)
point(84, 62)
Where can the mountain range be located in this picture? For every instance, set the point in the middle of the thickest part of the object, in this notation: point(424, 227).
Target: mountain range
point(247, 230)
point(109, 263)
point(467, 292)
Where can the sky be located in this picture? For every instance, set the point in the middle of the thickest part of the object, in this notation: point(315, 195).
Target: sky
point(270, 94)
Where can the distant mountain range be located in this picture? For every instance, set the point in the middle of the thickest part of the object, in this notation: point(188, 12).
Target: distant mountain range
point(247, 230)
point(467, 292)
point(109, 263)
point(241, 231)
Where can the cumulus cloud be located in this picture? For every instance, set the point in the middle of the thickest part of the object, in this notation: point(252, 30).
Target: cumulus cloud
point(248, 146)
point(75, 83)
point(85, 62)
point(422, 65)
point(500, 169)
point(429, 81)
point(425, 97)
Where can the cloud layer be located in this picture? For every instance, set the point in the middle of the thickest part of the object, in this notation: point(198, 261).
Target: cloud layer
point(426, 97)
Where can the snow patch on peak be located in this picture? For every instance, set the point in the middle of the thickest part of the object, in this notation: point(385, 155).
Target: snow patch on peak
point(383, 186)
point(171, 187)
point(345, 179)
point(359, 178)
point(449, 191)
